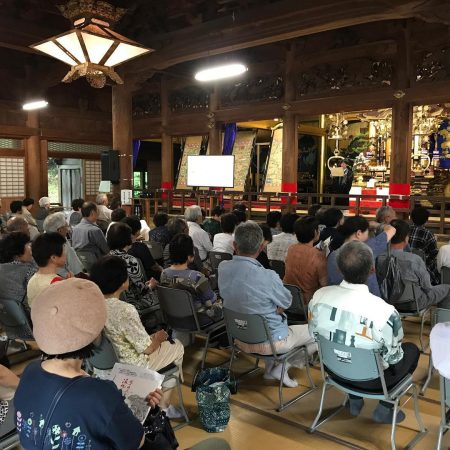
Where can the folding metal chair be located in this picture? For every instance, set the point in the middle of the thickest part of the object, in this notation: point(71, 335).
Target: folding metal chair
point(181, 315)
point(104, 357)
point(156, 249)
point(297, 313)
point(87, 258)
point(440, 315)
point(253, 329)
point(356, 364)
point(278, 266)
point(14, 320)
point(445, 275)
point(215, 258)
point(407, 306)
point(444, 424)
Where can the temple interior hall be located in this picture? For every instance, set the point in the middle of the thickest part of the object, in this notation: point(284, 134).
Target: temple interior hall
point(224, 224)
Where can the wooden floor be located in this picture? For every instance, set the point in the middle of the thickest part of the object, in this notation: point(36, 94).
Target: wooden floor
point(255, 424)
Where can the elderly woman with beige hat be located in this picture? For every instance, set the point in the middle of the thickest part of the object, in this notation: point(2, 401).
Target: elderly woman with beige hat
point(56, 400)
point(57, 404)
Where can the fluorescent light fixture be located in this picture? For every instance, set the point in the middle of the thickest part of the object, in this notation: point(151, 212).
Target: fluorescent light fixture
point(220, 72)
point(38, 104)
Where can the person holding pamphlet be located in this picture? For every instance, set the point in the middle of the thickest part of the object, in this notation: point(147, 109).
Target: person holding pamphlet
point(58, 405)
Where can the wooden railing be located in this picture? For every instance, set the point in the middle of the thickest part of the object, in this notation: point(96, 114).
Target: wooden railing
point(258, 205)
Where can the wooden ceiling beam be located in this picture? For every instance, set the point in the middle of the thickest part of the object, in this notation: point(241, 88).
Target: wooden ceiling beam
point(271, 23)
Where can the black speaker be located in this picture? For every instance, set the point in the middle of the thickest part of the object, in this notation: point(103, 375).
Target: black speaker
point(110, 166)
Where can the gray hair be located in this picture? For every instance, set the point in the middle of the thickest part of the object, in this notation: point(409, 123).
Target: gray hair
point(100, 199)
point(54, 221)
point(355, 261)
point(248, 237)
point(382, 212)
point(43, 201)
point(17, 224)
point(192, 213)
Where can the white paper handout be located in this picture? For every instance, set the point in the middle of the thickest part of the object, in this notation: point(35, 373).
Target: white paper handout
point(136, 383)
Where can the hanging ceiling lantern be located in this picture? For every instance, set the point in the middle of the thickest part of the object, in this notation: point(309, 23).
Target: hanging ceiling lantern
point(91, 47)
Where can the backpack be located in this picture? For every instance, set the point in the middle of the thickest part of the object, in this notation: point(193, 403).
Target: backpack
point(389, 278)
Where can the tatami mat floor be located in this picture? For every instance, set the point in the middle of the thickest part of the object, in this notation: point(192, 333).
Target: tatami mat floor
point(256, 425)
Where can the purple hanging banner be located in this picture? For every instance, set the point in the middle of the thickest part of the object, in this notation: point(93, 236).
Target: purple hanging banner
point(136, 147)
point(228, 138)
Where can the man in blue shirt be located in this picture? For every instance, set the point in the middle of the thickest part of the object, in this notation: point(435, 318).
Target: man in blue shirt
point(246, 287)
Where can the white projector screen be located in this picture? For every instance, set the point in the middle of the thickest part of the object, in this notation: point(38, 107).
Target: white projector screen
point(210, 171)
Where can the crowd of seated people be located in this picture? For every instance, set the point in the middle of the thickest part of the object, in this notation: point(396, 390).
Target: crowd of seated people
point(333, 260)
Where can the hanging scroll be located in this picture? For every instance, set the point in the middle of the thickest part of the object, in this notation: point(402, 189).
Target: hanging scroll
point(274, 167)
point(192, 146)
point(242, 151)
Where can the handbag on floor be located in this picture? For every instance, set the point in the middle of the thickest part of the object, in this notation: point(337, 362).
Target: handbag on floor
point(159, 434)
point(213, 387)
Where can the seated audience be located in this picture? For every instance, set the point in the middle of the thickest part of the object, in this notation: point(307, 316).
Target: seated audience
point(423, 239)
point(273, 221)
point(140, 250)
point(223, 241)
point(16, 210)
point(412, 268)
point(139, 292)
point(313, 209)
point(212, 225)
point(116, 216)
point(240, 206)
point(44, 208)
point(17, 224)
point(178, 275)
point(357, 229)
point(8, 385)
point(246, 287)
point(443, 257)
point(75, 215)
point(439, 340)
point(385, 215)
point(177, 226)
point(241, 216)
point(103, 212)
point(49, 254)
point(281, 242)
point(67, 319)
point(267, 235)
point(27, 205)
point(16, 267)
point(200, 237)
point(349, 314)
point(87, 236)
point(116, 202)
point(123, 326)
point(161, 232)
point(306, 266)
point(56, 223)
point(332, 218)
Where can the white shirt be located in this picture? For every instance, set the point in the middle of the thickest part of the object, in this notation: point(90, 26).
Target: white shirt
point(223, 242)
point(279, 246)
point(103, 213)
point(443, 257)
point(439, 342)
point(201, 239)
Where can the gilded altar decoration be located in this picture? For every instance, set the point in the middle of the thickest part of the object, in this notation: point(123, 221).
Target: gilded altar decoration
point(192, 147)
point(275, 166)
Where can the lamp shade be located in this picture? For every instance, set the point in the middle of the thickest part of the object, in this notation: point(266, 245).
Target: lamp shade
point(92, 49)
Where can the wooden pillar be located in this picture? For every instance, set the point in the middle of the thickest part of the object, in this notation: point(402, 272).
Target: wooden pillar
point(33, 161)
point(214, 143)
point(402, 117)
point(290, 131)
point(122, 130)
point(166, 140)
